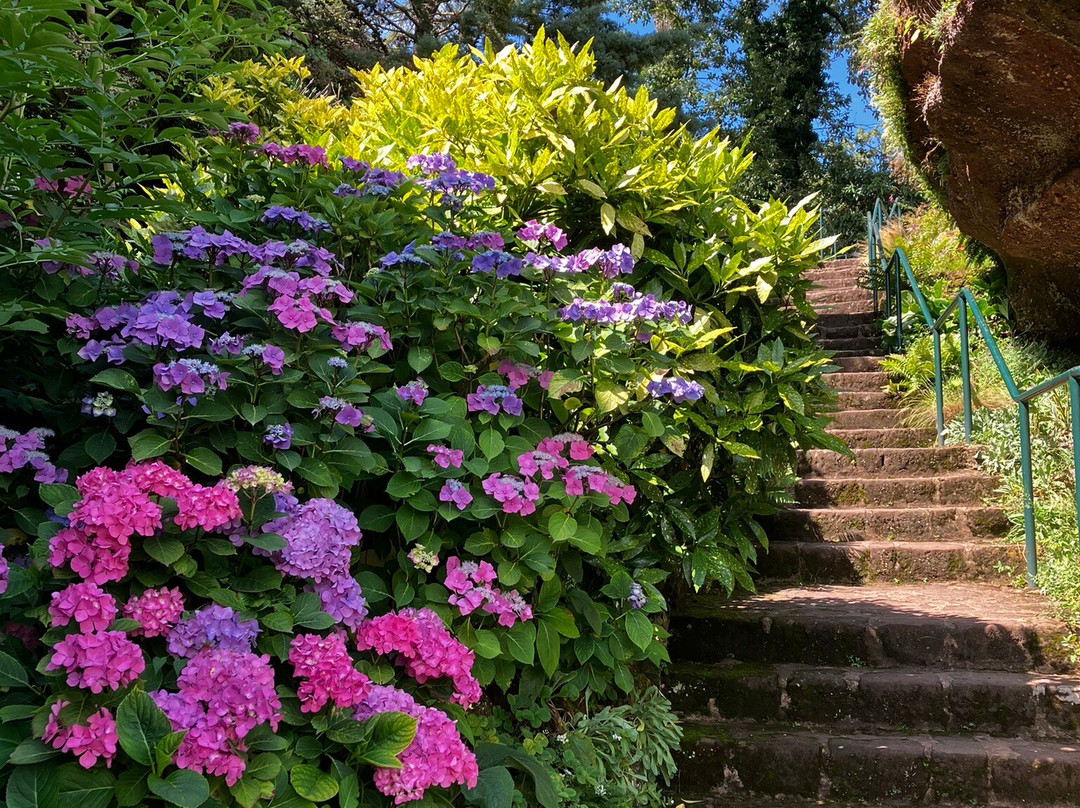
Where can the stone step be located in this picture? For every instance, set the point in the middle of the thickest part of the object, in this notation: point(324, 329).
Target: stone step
point(904, 562)
point(864, 400)
point(861, 363)
point(859, 381)
point(842, 308)
point(950, 489)
point(899, 437)
point(847, 331)
point(839, 292)
point(942, 625)
point(887, 462)
point(929, 523)
point(846, 320)
point(875, 352)
point(870, 418)
point(918, 769)
point(867, 343)
point(998, 703)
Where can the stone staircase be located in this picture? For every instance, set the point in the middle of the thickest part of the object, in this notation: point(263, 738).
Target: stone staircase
point(885, 659)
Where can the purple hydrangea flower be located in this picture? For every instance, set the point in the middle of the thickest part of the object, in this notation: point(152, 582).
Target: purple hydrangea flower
point(637, 598)
point(415, 391)
point(488, 398)
point(279, 436)
point(454, 491)
point(679, 389)
point(192, 376)
point(213, 625)
point(503, 264)
point(302, 219)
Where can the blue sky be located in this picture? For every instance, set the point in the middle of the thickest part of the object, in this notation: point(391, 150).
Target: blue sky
point(861, 115)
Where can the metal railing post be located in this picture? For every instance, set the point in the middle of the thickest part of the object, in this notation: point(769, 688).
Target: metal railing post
point(965, 368)
point(898, 301)
point(939, 389)
point(1029, 494)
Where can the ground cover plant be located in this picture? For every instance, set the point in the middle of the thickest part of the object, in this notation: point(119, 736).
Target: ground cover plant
point(328, 474)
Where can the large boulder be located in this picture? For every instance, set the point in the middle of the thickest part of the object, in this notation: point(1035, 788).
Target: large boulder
point(993, 114)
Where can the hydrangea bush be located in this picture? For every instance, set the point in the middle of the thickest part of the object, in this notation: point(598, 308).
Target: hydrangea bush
point(328, 476)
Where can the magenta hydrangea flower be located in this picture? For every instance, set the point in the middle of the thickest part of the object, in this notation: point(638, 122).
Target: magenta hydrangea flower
point(518, 374)
point(210, 507)
point(301, 153)
point(73, 187)
point(90, 742)
point(328, 673)
point(156, 610)
point(421, 644)
point(240, 131)
point(299, 314)
point(436, 757)
point(87, 604)
point(544, 463)
point(445, 457)
point(456, 492)
point(213, 626)
point(415, 391)
point(222, 696)
point(488, 398)
point(598, 481)
point(611, 263)
point(4, 571)
point(514, 494)
point(361, 336)
point(269, 355)
point(98, 661)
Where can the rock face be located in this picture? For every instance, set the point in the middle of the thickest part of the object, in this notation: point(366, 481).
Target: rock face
point(994, 114)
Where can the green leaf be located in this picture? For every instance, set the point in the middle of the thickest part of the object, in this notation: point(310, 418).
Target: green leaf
point(33, 787)
point(562, 527)
point(547, 647)
point(164, 549)
point(140, 724)
point(182, 787)
point(82, 788)
point(521, 642)
point(316, 472)
point(31, 750)
point(57, 494)
point(148, 444)
point(116, 379)
point(607, 217)
point(654, 427)
point(307, 612)
point(166, 749)
point(389, 735)
point(205, 460)
point(131, 788)
point(402, 485)
point(639, 629)
point(486, 644)
point(99, 446)
point(312, 784)
point(491, 444)
point(494, 788)
point(420, 357)
point(12, 672)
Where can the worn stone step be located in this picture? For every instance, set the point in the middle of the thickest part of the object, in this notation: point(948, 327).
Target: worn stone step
point(864, 400)
point(887, 462)
point(840, 307)
point(846, 320)
point(949, 489)
point(847, 331)
point(847, 293)
point(1027, 705)
point(860, 381)
point(860, 363)
point(943, 625)
point(929, 523)
point(865, 343)
point(898, 437)
point(775, 760)
point(877, 352)
point(869, 418)
point(856, 562)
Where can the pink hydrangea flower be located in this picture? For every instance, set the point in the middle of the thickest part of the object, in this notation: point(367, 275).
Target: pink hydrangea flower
point(420, 643)
point(328, 673)
point(598, 481)
point(87, 604)
point(99, 661)
point(223, 695)
point(209, 507)
point(436, 757)
point(156, 610)
point(445, 457)
point(516, 495)
point(470, 584)
point(90, 742)
point(454, 491)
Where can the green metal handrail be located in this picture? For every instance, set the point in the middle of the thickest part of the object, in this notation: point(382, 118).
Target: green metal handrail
point(888, 275)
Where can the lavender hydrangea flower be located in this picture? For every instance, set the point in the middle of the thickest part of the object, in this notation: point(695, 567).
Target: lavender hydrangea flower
point(279, 436)
point(415, 391)
point(192, 376)
point(213, 625)
point(488, 398)
point(301, 218)
point(679, 389)
point(637, 598)
point(502, 264)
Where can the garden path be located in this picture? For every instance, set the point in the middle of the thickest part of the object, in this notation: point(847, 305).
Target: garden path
point(886, 658)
